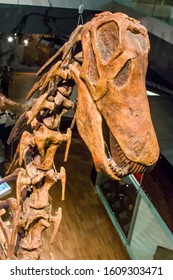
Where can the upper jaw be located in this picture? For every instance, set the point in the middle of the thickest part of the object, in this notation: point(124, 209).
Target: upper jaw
point(116, 164)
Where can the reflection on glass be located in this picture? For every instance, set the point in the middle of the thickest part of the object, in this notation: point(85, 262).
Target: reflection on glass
point(121, 197)
point(160, 9)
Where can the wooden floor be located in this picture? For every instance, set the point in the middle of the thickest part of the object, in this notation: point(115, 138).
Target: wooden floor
point(86, 231)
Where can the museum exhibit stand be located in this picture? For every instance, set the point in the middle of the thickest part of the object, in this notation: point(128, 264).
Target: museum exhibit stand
point(140, 208)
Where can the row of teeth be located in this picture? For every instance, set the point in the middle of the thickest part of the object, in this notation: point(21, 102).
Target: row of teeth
point(119, 171)
point(128, 166)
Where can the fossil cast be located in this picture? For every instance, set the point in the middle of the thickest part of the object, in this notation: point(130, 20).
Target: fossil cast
point(106, 59)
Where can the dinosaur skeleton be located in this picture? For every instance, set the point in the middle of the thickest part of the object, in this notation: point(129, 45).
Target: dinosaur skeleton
point(107, 60)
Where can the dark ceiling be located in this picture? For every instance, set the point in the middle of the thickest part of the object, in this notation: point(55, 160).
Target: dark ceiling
point(40, 20)
point(60, 22)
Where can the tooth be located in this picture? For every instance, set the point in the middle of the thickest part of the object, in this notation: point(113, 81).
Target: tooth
point(122, 156)
point(119, 153)
point(135, 168)
point(117, 146)
point(149, 168)
point(125, 162)
point(130, 166)
point(145, 168)
point(112, 167)
point(140, 168)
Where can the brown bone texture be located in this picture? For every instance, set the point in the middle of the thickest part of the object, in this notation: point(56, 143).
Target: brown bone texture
point(106, 59)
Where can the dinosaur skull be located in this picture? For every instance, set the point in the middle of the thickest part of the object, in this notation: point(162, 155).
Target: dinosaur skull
point(113, 115)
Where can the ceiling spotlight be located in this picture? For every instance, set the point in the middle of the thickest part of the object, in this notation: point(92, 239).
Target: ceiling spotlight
point(10, 39)
point(26, 41)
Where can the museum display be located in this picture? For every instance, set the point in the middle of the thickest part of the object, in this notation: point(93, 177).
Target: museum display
point(106, 58)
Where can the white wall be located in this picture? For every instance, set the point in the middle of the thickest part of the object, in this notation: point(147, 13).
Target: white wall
point(147, 235)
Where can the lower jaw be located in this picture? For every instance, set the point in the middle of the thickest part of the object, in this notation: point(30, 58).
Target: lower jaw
point(129, 167)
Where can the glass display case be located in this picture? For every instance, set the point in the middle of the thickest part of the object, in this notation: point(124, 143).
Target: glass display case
point(140, 209)
point(121, 198)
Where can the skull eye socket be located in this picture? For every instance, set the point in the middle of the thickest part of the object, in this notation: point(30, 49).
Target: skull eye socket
point(107, 40)
point(123, 75)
